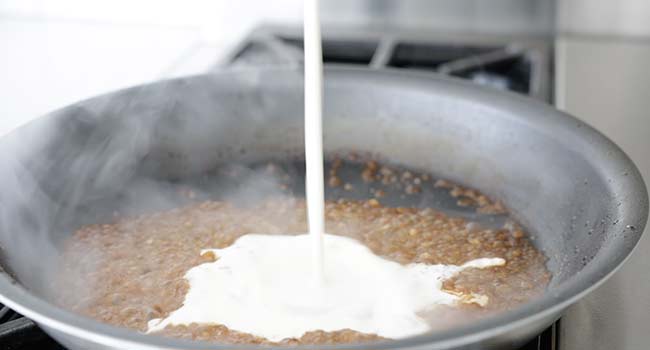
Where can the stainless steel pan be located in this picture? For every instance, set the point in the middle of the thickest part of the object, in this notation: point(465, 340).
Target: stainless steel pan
point(578, 194)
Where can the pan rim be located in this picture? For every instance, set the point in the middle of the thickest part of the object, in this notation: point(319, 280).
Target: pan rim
point(552, 302)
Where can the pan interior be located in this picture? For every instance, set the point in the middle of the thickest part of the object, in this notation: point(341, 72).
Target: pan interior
point(72, 168)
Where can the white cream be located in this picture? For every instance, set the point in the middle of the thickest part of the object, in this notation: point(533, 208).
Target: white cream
point(315, 191)
point(261, 285)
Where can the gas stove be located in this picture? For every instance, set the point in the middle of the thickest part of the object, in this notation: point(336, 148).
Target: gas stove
point(20, 333)
point(521, 65)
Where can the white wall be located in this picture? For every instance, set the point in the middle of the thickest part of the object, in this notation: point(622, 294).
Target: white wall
point(484, 16)
point(56, 52)
point(605, 17)
point(219, 20)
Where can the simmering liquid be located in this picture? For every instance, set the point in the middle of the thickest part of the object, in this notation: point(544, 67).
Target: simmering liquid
point(140, 270)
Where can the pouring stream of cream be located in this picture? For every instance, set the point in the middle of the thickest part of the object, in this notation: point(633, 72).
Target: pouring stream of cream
point(283, 286)
point(314, 135)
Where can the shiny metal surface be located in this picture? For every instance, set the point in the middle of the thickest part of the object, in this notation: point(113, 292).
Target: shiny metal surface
point(560, 177)
point(606, 83)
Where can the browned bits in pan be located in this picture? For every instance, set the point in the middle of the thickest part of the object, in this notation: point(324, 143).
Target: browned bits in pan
point(367, 175)
point(373, 203)
point(412, 189)
point(472, 198)
point(209, 256)
point(334, 181)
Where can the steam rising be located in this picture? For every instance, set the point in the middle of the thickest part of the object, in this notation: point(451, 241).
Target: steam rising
point(121, 153)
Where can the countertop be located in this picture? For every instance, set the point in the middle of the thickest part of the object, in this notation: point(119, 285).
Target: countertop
point(605, 81)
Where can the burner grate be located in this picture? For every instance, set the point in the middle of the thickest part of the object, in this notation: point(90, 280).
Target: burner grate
point(20, 333)
point(6, 315)
point(521, 66)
